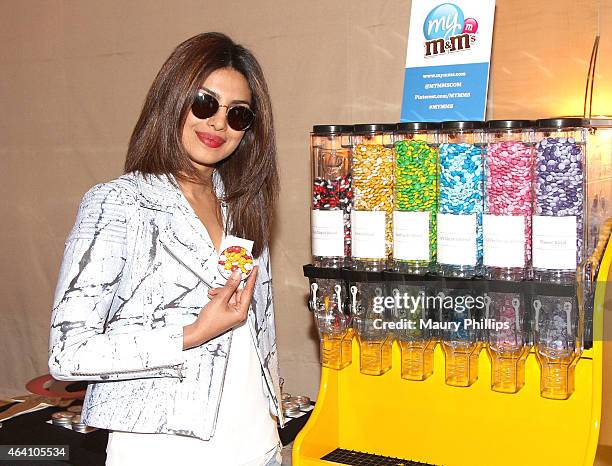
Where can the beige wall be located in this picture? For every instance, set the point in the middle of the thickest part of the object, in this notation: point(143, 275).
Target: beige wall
point(75, 75)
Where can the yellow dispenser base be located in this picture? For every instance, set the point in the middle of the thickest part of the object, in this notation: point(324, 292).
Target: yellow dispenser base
point(432, 422)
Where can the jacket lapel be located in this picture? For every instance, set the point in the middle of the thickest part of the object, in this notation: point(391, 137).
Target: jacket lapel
point(199, 257)
point(182, 233)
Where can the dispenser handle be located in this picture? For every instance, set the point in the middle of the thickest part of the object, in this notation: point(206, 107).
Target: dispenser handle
point(354, 300)
point(313, 296)
point(537, 305)
point(338, 290)
point(487, 303)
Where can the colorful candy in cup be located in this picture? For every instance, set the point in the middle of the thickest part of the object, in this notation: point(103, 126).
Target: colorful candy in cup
point(235, 258)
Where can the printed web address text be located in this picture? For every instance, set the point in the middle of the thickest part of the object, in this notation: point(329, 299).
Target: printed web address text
point(450, 95)
point(444, 75)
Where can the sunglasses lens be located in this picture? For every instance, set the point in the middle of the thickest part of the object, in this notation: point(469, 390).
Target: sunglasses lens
point(240, 118)
point(204, 105)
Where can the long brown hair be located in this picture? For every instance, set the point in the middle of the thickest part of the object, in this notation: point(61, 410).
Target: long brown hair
point(249, 174)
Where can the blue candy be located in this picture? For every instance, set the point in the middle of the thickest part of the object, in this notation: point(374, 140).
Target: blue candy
point(461, 183)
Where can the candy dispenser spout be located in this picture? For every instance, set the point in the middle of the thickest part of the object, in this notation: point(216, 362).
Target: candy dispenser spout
point(508, 347)
point(557, 344)
point(375, 341)
point(333, 325)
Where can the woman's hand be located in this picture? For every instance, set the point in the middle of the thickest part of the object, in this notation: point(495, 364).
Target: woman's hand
point(228, 307)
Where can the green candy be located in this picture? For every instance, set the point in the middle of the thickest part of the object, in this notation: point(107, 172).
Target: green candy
point(416, 175)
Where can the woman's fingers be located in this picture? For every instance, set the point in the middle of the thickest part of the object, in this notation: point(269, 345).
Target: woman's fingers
point(247, 293)
point(230, 287)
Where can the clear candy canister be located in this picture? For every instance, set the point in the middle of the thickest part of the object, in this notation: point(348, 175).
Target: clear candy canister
point(509, 157)
point(371, 316)
point(372, 212)
point(557, 343)
point(413, 333)
point(460, 199)
point(415, 196)
point(558, 221)
point(334, 322)
point(506, 316)
point(331, 194)
point(460, 337)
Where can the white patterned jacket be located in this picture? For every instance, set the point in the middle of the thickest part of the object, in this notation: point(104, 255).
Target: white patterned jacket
point(136, 269)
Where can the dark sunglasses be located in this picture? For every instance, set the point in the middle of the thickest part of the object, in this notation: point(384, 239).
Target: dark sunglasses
point(239, 117)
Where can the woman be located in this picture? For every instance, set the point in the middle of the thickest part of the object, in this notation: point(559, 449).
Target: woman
point(183, 365)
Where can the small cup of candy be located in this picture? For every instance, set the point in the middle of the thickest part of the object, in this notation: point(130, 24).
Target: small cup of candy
point(235, 258)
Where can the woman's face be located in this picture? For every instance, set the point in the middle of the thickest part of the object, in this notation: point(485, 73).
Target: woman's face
point(211, 140)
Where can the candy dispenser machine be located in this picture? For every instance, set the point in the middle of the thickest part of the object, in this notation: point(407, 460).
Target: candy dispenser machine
point(416, 342)
point(370, 316)
point(557, 344)
point(460, 341)
point(332, 193)
point(372, 214)
point(509, 156)
point(509, 346)
point(334, 325)
point(415, 197)
point(460, 199)
point(560, 181)
point(559, 249)
point(423, 380)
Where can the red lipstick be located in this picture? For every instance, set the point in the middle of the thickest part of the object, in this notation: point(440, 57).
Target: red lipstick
point(210, 140)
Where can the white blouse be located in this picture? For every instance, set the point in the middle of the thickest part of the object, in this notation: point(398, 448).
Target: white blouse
point(245, 433)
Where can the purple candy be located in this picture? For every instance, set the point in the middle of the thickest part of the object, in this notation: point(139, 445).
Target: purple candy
point(559, 181)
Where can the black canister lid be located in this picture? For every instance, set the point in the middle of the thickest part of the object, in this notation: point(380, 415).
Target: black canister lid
point(417, 126)
point(562, 122)
point(462, 125)
point(332, 129)
point(509, 124)
point(373, 127)
point(600, 122)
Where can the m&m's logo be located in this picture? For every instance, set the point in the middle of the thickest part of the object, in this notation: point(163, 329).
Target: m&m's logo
point(443, 21)
point(447, 30)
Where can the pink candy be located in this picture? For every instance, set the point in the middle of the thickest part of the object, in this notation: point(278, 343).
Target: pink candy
point(509, 178)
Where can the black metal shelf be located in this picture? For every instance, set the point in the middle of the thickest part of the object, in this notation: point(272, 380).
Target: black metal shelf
point(478, 284)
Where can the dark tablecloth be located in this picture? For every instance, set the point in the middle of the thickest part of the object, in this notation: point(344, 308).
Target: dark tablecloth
point(85, 449)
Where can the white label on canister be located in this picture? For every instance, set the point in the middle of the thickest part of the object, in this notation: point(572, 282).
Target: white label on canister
point(368, 230)
point(554, 242)
point(327, 233)
point(411, 235)
point(504, 240)
point(457, 239)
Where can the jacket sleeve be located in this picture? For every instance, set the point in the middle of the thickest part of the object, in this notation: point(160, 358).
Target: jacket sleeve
point(92, 266)
point(271, 361)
